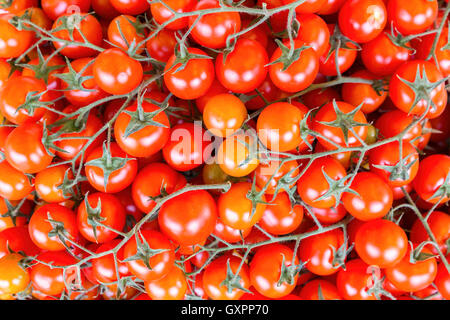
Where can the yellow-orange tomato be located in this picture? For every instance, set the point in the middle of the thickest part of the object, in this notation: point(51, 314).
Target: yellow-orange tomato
point(237, 155)
point(224, 114)
point(13, 278)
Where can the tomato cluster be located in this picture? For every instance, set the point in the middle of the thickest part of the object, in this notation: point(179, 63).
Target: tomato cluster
point(269, 149)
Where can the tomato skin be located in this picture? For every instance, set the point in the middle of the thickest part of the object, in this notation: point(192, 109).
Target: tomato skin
point(264, 276)
point(403, 96)
point(119, 179)
point(317, 251)
point(146, 141)
point(374, 200)
point(129, 32)
point(432, 173)
point(194, 80)
point(329, 215)
point(233, 153)
point(235, 209)
point(278, 126)
point(13, 42)
point(130, 7)
point(17, 238)
point(103, 268)
point(5, 70)
point(330, 7)
point(394, 122)
point(171, 287)
point(309, 6)
point(362, 20)
point(410, 17)
point(201, 213)
point(148, 183)
point(389, 155)
point(111, 209)
point(300, 74)
point(381, 243)
point(328, 114)
point(409, 276)
point(24, 149)
point(346, 58)
point(271, 173)
point(73, 147)
point(229, 234)
point(381, 56)
point(162, 45)
point(439, 223)
point(40, 228)
point(116, 73)
point(161, 263)
point(13, 278)
point(238, 77)
point(353, 282)
point(216, 272)
point(311, 290)
point(14, 184)
point(55, 8)
point(83, 97)
point(14, 94)
point(51, 281)
point(313, 184)
point(104, 9)
point(212, 30)
point(186, 147)
point(162, 14)
point(48, 180)
point(224, 114)
point(88, 26)
point(424, 46)
point(313, 32)
point(280, 217)
point(357, 93)
point(442, 281)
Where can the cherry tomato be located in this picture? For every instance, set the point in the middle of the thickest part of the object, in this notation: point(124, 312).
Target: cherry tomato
point(55, 8)
point(158, 264)
point(105, 208)
point(319, 252)
point(197, 221)
point(162, 14)
point(149, 138)
point(409, 276)
point(403, 96)
point(267, 278)
point(50, 224)
point(25, 151)
point(354, 282)
point(224, 114)
point(240, 77)
point(268, 175)
point(111, 175)
point(104, 267)
point(217, 272)
point(152, 181)
point(313, 184)
point(236, 210)
point(395, 174)
point(318, 290)
point(229, 234)
point(313, 32)
point(131, 7)
point(362, 20)
point(381, 56)
point(13, 42)
point(13, 277)
point(85, 29)
point(192, 81)
point(161, 45)
point(187, 147)
point(410, 17)
point(280, 217)
point(299, 74)
point(374, 199)
point(14, 184)
point(212, 30)
point(17, 238)
point(124, 30)
point(381, 243)
point(116, 73)
point(429, 181)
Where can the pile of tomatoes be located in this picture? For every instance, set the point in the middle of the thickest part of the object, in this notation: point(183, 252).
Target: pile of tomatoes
point(181, 149)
